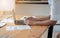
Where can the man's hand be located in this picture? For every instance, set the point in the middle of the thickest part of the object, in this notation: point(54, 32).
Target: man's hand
point(32, 21)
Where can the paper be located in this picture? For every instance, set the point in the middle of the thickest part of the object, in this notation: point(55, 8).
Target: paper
point(11, 20)
point(20, 27)
point(2, 24)
point(7, 20)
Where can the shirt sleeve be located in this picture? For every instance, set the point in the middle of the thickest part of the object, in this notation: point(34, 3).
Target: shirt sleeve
point(55, 10)
point(50, 2)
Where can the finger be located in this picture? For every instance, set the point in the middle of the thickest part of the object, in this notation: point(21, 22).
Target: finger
point(30, 18)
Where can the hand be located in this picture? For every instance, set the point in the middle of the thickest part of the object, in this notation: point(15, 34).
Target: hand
point(30, 20)
point(53, 22)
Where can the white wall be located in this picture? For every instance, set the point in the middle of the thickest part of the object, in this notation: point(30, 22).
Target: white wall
point(32, 9)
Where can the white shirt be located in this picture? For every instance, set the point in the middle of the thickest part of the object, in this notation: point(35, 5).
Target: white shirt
point(55, 9)
point(50, 2)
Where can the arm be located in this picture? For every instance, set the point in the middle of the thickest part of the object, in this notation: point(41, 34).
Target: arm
point(42, 18)
point(40, 21)
point(44, 23)
point(39, 18)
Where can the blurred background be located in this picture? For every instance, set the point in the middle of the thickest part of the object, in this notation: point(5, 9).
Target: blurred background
point(34, 8)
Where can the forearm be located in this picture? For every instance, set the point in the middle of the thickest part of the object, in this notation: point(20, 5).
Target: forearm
point(42, 18)
point(44, 23)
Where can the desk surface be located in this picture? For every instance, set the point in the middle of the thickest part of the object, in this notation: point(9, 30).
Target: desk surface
point(34, 32)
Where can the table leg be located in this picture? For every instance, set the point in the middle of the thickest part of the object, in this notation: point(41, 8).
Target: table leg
point(50, 31)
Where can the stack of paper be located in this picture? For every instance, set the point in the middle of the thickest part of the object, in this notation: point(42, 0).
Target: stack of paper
point(20, 27)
